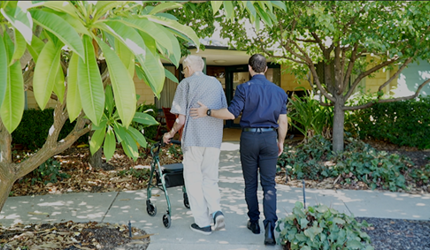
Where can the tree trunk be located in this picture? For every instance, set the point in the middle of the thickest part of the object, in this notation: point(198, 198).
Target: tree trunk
point(6, 165)
point(96, 159)
point(5, 188)
point(338, 125)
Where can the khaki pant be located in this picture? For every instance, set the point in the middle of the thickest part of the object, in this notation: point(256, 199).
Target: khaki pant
point(201, 181)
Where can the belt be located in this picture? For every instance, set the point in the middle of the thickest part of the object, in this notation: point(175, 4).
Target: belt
point(258, 129)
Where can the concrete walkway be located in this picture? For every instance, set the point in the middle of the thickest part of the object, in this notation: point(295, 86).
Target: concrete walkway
point(128, 206)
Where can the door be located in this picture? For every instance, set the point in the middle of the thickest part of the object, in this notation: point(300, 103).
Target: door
point(235, 75)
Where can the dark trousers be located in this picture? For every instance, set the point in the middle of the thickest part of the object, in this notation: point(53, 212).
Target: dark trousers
point(259, 152)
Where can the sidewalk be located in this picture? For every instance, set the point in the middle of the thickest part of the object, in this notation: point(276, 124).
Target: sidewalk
point(130, 206)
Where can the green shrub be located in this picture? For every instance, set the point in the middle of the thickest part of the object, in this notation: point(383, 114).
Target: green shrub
point(359, 162)
point(321, 227)
point(49, 171)
point(150, 132)
point(34, 128)
point(421, 176)
point(309, 117)
point(140, 174)
point(403, 123)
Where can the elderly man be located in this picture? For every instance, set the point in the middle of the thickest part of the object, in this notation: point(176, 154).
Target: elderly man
point(264, 127)
point(201, 142)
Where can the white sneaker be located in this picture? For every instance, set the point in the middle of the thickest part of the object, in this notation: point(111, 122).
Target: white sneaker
point(219, 222)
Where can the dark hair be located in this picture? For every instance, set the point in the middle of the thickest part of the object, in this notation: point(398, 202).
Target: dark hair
point(257, 63)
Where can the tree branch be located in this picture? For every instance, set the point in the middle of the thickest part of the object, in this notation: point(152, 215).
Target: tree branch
point(350, 66)
point(5, 144)
point(318, 83)
point(306, 40)
point(366, 73)
point(304, 55)
point(326, 104)
point(319, 41)
point(51, 147)
point(396, 74)
point(370, 104)
point(338, 70)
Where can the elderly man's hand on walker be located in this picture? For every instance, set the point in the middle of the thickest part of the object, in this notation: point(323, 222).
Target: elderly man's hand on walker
point(167, 137)
point(199, 112)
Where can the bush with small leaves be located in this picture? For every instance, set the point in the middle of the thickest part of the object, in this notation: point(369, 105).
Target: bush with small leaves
point(421, 176)
point(315, 160)
point(321, 227)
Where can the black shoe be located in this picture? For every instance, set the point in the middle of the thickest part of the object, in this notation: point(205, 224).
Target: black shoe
point(203, 230)
point(269, 236)
point(254, 227)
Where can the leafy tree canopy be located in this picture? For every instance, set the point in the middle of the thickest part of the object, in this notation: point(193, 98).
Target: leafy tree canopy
point(341, 36)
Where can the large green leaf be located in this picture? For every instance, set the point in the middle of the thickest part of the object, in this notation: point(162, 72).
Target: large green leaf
point(62, 6)
point(110, 103)
point(35, 48)
point(151, 69)
point(264, 16)
point(97, 140)
point(75, 22)
point(20, 46)
point(175, 55)
point(110, 144)
point(3, 70)
point(153, 73)
point(21, 20)
point(279, 5)
point(59, 87)
point(215, 6)
point(251, 10)
point(90, 83)
point(156, 31)
point(128, 36)
point(176, 26)
point(45, 73)
point(144, 118)
point(9, 46)
point(14, 100)
point(229, 10)
point(170, 76)
point(127, 142)
point(60, 28)
point(102, 7)
point(122, 84)
point(131, 146)
point(126, 56)
point(137, 136)
point(74, 105)
point(165, 6)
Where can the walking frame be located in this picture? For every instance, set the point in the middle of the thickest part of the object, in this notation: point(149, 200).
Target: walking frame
point(166, 176)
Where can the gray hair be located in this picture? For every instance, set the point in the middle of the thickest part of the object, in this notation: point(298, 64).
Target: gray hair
point(194, 62)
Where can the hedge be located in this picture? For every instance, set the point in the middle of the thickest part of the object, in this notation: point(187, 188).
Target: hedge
point(405, 123)
point(33, 130)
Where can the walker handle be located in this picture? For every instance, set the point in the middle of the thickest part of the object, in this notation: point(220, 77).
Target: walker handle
point(175, 142)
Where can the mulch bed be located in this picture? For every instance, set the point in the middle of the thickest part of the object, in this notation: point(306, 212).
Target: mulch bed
point(71, 235)
point(84, 178)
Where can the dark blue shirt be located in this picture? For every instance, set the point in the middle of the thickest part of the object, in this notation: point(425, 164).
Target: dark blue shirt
point(260, 101)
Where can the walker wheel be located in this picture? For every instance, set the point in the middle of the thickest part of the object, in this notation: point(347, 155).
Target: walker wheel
point(166, 220)
point(151, 209)
point(186, 201)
